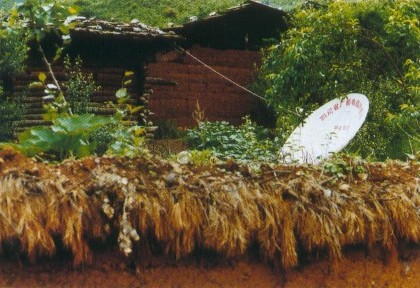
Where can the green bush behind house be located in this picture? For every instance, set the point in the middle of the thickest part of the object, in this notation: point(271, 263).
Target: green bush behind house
point(371, 47)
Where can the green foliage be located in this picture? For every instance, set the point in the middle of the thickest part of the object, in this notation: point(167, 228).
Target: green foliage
point(56, 103)
point(346, 47)
point(68, 136)
point(80, 87)
point(81, 135)
point(13, 49)
point(161, 12)
point(39, 18)
point(247, 142)
point(42, 17)
point(167, 129)
point(11, 112)
point(128, 138)
point(341, 165)
point(102, 139)
point(6, 5)
point(408, 118)
point(202, 158)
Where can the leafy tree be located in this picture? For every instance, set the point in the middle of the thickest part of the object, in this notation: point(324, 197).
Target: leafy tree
point(345, 47)
point(39, 18)
point(13, 51)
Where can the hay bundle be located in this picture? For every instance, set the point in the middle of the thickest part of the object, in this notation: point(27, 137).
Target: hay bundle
point(39, 205)
point(222, 208)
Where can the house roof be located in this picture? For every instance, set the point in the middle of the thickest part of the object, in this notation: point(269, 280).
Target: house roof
point(250, 5)
point(135, 30)
point(252, 20)
point(110, 43)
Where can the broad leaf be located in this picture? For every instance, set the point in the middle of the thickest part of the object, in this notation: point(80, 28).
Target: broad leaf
point(76, 124)
point(121, 93)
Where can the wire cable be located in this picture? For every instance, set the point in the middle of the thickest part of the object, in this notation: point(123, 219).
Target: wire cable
point(182, 50)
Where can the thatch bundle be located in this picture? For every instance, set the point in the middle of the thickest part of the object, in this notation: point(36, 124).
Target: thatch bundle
point(223, 208)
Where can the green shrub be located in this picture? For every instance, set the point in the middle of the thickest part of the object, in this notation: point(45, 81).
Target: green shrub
point(11, 112)
point(247, 142)
point(102, 139)
point(13, 50)
point(80, 87)
point(68, 136)
point(167, 129)
point(79, 136)
point(202, 158)
point(346, 47)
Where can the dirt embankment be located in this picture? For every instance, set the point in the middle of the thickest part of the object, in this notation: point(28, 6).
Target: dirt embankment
point(285, 226)
point(109, 270)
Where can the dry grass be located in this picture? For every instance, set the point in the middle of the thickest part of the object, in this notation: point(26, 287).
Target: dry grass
point(184, 209)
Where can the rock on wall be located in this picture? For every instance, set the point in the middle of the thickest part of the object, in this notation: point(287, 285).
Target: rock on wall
point(178, 82)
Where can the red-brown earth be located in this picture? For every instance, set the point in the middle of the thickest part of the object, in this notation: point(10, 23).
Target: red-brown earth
point(110, 270)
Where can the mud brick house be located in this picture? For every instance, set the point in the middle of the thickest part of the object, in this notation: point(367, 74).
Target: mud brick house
point(228, 42)
point(107, 49)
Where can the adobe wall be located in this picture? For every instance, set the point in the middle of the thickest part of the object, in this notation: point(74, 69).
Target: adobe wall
point(178, 82)
point(108, 78)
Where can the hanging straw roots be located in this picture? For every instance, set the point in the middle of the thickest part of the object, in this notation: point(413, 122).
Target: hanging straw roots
point(223, 208)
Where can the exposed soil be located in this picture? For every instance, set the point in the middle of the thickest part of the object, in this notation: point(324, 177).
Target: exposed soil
point(110, 270)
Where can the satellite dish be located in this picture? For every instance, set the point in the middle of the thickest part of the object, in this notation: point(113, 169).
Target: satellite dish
point(327, 130)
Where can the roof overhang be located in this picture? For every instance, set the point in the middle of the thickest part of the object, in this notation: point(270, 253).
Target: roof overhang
point(252, 20)
point(112, 30)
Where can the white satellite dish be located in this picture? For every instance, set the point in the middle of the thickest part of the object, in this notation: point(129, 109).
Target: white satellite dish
point(327, 130)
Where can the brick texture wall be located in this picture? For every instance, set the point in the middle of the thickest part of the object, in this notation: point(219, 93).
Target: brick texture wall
point(177, 82)
point(109, 79)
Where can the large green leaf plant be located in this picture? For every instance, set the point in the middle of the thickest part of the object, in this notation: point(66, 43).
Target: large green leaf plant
point(67, 137)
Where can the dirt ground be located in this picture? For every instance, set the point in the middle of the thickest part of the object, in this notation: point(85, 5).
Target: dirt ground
point(110, 270)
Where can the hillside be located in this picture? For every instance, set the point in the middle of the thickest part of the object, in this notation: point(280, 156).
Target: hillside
point(156, 13)
point(161, 12)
